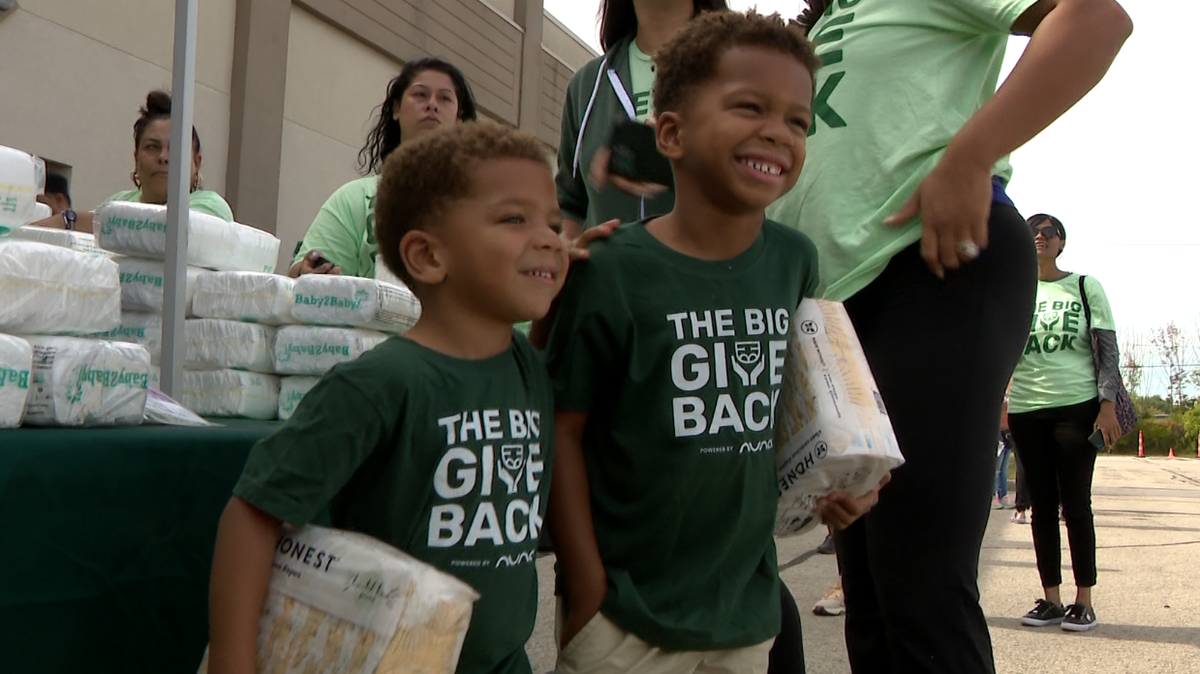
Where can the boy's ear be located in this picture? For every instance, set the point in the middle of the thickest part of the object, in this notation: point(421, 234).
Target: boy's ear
point(422, 255)
point(668, 132)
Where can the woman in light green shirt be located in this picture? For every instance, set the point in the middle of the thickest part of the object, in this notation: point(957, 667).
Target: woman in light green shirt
point(428, 94)
point(151, 160)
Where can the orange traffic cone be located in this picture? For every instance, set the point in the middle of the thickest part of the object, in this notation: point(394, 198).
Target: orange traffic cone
point(1142, 446)
point(1171, 454)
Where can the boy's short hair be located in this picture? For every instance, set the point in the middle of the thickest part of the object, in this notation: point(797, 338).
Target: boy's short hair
point(422, 178)
point(690, 58)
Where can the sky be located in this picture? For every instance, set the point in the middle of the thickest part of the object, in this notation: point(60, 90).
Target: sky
point(1118, 169)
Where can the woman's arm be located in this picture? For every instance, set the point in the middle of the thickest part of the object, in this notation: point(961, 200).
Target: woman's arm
point(1074, 42)
point(245, 548)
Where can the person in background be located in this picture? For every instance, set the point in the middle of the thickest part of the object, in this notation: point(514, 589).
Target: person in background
point(428, 94)
point(151, 162)
point(616, 87)
point(1004, 449)
point(1058, 400)
point(905, 200)
point(56, 195)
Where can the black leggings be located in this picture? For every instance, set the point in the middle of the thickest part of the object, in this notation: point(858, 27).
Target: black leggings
point(942, 353)
point(1059, 461)
point(787, 655)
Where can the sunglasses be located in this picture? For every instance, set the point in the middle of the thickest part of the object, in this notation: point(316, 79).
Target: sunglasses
point(1048, 232)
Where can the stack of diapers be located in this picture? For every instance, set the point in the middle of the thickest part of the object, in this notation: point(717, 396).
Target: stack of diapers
point(84, 382)
point(22, 179)
point(833, 431)
point(140, 230)
point(81, 242)
point(16, 362)
point(346, 301)
point(291, 391)
point(244, 296)
point(46, 289)
point(231, 393)
point(142, 284)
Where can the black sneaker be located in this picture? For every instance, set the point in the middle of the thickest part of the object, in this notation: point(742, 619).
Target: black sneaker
point(1044, 613)
point(826, 547)
point(1079, 618)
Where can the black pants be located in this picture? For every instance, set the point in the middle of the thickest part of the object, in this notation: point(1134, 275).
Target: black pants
point(787, 655)
point(1059, 462)
point(1022, 501)
point(942, 353)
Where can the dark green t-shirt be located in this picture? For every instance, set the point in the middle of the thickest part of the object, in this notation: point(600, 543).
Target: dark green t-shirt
point(679, 362)
point(446, 459)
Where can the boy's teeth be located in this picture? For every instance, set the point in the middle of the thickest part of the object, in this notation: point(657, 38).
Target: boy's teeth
point(764, 168)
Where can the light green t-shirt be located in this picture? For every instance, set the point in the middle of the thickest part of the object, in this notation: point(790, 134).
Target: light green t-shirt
point(641, 78)
point(446, 459)
point(205, 201)
point(680, 386)
point(1057, 369)
point(900, 78)
point(344, 229)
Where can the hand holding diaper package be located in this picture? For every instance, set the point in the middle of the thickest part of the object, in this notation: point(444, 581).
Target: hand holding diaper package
point(140, 230)
point(291, 391)
point(832, 430)
point(347, 301)
point(231, 393)
point(142, 284)
point(46, 289)
point(22, 179)
point(16, 363)
point(84, 382)
point(245, 296)
point(216, 344)
point(314, 350)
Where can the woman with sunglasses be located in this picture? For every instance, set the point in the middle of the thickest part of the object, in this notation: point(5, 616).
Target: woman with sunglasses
point(1061, 411)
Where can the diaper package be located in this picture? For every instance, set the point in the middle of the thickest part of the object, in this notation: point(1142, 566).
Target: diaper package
point(215, 344)
point(231, 393)
point(141, 328)
point(314, 350)
point(85, 382)
point(291, 391)
point(16, 363)
point(46, 289)
point(832, 430)
point(22, 179)
point(142, 284)
point(250, 297)
point(80, 242)
point(347, 301)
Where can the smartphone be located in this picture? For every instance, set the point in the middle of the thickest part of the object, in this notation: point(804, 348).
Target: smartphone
point(1097, 440)
point(635, 155)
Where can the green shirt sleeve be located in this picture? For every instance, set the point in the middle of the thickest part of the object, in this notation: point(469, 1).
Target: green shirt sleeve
point(986, 16)
point(338, 229)
point(584, 353)
point(295, 472)
point(1102, 316)
point(207, 201)
point(572, 192)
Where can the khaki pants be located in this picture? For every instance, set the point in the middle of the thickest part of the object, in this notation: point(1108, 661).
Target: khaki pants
point(602, 647)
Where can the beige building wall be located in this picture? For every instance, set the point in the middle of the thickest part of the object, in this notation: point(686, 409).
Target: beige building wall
point(85, 66)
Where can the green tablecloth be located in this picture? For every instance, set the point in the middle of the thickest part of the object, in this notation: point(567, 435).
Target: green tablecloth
point(106, 540)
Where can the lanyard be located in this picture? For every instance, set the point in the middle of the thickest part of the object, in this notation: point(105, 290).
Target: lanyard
point(622, 94)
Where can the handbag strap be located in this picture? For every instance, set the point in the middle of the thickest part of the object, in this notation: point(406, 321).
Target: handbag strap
point(1087, 308)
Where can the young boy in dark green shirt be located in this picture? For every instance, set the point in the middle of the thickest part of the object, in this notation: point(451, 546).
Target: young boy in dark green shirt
point(437, 442)
point(667, 358)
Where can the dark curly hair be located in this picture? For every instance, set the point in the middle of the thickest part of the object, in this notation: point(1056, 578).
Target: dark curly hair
point(158, 106)
point(423, 178)
point(690, 59)
point(618, 20)
point(385, 136)
point(809, 16)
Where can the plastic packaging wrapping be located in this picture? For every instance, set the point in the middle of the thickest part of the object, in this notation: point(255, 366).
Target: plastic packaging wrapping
point(346, 301)
point(39, 211)
point(46, 289)
point(291, 391)
point(141, 328)
point(314, 350)
point(16, 363)
point(22, 179)
point(85, 382)
point(245, 296)
point(832, 430)
point(382, 273)
point(142, 284)
point(140, 230)
point(231, 393)
point(216, 344)
point(80, 242)
point(345, 603)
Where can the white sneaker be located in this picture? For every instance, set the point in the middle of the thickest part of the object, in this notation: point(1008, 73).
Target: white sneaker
point(833, 603)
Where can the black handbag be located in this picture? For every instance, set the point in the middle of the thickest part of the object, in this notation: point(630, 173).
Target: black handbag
point(1126, 413)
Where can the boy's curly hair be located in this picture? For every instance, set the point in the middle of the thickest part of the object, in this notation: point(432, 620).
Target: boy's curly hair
point(423, 178)
point(690, 59)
